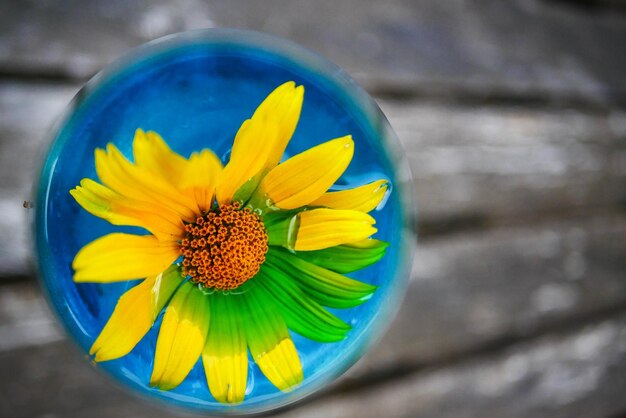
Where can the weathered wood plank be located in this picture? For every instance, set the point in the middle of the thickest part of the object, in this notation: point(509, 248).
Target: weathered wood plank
point(27, 111)
point(472, 290)
point(487, 164)
point(25, 319)
point(54, 380)
point(485, 48)
point(579, 374)
point(469, 292)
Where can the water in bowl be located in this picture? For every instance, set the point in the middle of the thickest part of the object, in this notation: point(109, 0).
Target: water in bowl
point(195, 91)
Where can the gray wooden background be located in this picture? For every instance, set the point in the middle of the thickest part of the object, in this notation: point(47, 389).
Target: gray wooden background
point(513, 115)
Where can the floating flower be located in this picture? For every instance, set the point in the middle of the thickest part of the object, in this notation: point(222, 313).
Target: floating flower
point(236, 255)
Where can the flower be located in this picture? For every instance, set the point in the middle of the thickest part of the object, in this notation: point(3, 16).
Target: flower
point(236, 255)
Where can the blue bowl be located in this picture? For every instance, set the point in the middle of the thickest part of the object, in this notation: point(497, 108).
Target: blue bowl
point(195, 89)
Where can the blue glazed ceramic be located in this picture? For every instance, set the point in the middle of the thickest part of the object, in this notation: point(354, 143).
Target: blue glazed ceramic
point(195, 89)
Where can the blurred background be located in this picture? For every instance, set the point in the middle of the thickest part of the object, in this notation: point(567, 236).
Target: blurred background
point(513, 117)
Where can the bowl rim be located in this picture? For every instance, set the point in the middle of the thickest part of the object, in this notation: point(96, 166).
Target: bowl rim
point(327, 70)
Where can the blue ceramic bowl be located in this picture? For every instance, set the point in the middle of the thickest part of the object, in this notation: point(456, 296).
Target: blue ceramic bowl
point(195, 89)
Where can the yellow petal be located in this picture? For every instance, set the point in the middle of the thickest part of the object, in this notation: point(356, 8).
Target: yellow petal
point(306, 176)
point(200, 176)
point(101, 201)
point(269, 341)
point(283, 106)
point(195, 177)
point(117, 257)
point(363, 198)
point(324, 228)
point(247, 159)
point(272, 364)
point(225, 355)
point(134, 314)
point(153, 154)
point(138, 183)
point(181, 337)
point(261, 141)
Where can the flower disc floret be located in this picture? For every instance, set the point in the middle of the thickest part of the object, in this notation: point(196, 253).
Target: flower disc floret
point(224, 248)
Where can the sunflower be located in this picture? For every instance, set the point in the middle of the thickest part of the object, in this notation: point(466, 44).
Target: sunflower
point(237, 255)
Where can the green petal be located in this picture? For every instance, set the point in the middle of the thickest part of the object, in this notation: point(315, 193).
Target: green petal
point(324, 286)
point(181, 337)
point(302, 314)
point(282, 227)
point(225, 355)
point(269, 340)
point(348, 257)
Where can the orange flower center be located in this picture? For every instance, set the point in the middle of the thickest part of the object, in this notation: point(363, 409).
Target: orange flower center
point(224, 248)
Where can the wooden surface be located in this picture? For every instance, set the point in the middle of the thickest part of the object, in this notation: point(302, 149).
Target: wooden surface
point(514, 121)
